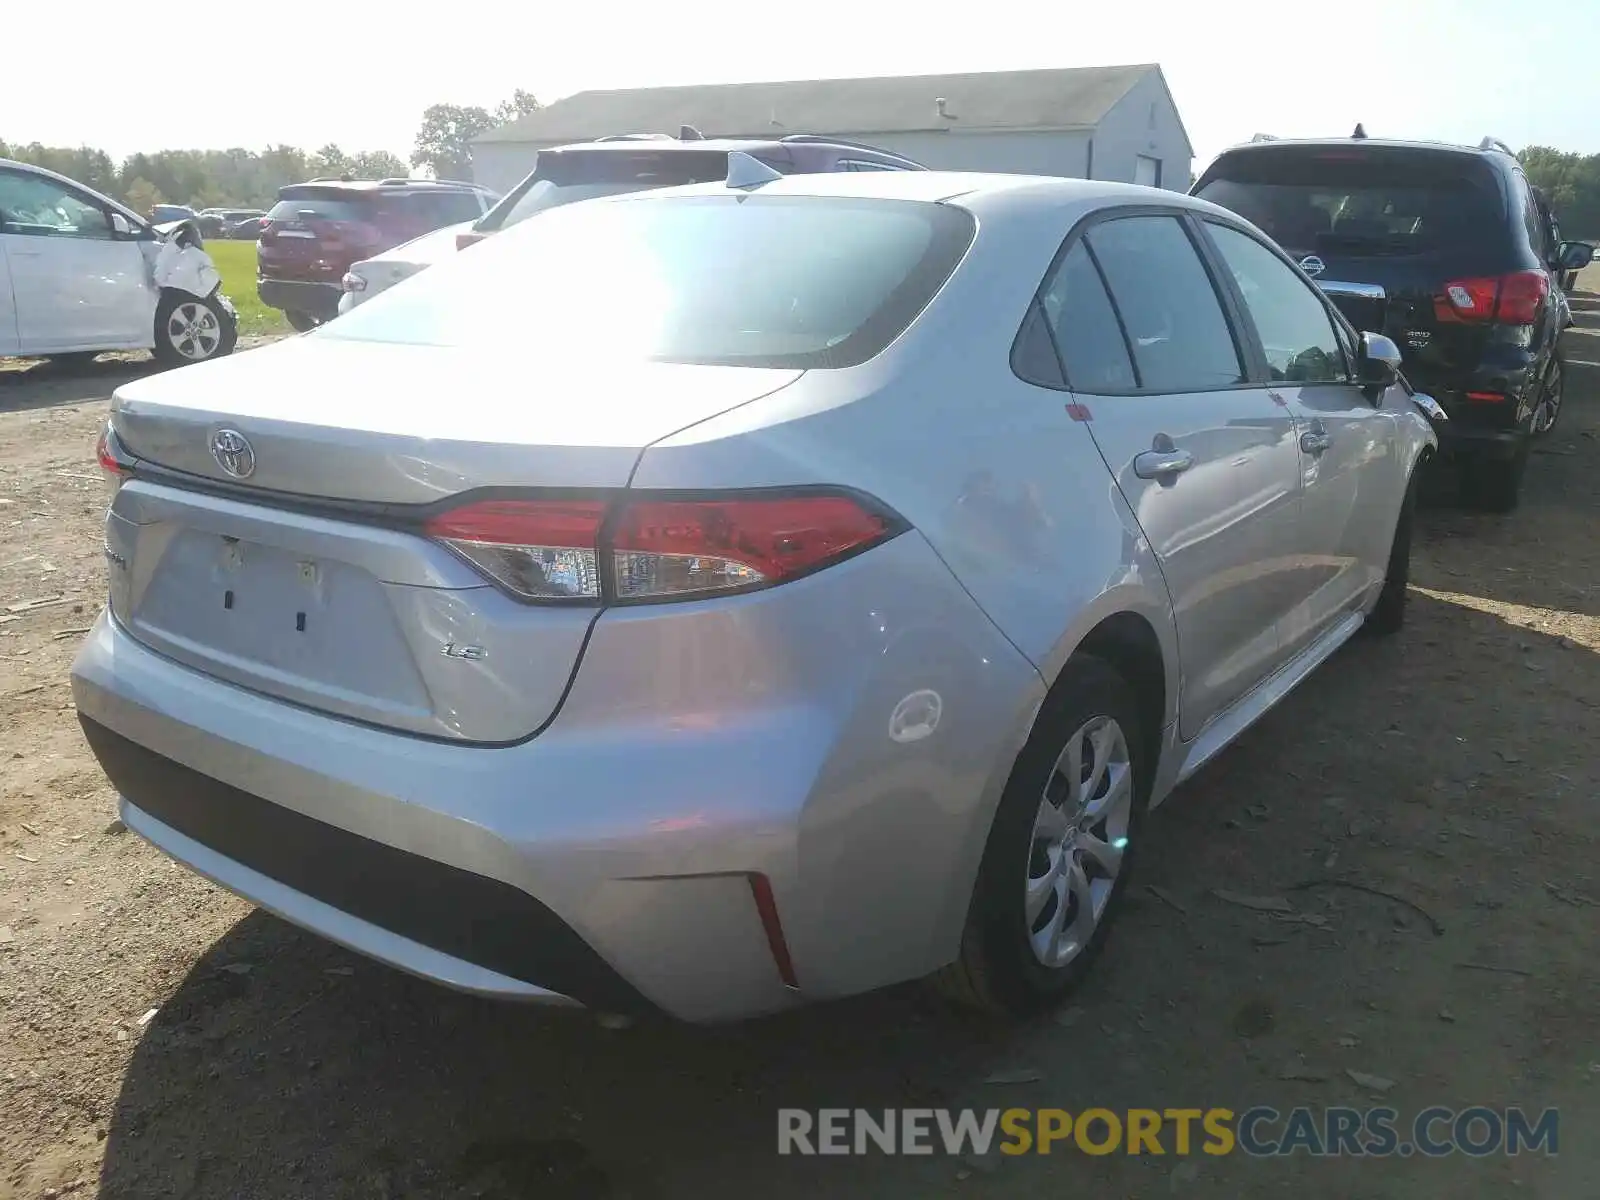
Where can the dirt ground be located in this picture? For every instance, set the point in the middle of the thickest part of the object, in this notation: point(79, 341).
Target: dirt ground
point(160, 1038)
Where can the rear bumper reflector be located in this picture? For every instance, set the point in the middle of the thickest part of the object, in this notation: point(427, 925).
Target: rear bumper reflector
point(767, 906)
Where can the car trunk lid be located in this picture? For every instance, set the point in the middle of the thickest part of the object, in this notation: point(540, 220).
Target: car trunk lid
point(302, 572)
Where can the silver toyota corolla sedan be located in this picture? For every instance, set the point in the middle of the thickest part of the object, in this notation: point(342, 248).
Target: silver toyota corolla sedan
point(715, 599)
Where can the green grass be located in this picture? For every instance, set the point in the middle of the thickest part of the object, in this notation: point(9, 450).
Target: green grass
point(237, 263)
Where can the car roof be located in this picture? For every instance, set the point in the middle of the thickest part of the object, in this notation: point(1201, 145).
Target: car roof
point(670, 145)
point(969, 187)
point(388, 186)
point(1494, 153)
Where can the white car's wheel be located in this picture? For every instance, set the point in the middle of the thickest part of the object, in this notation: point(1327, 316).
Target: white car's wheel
point(190, 329)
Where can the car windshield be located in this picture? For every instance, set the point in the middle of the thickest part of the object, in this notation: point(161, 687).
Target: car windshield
point(739, 280)
point(1356, 202)
point(564, 176)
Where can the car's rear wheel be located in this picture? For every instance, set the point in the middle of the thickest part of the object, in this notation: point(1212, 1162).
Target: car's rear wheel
point(190, 329)
point(1056, 863)
point(1548, 407)
point(303, 322)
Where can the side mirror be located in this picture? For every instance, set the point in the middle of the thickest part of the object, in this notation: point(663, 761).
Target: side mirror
point(121, 226)
point(1380, 363)
point(1574, 256)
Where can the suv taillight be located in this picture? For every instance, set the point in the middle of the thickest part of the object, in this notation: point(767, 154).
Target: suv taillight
point(1512, 299)
point(656, 548)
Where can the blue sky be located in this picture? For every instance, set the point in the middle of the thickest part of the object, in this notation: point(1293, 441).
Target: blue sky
point(359, 72)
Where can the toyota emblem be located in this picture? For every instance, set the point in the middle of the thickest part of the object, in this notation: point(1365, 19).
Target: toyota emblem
point(232, 451)
point(1312, 265)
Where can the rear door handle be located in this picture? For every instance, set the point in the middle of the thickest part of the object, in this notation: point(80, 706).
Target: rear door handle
point(1162, 464)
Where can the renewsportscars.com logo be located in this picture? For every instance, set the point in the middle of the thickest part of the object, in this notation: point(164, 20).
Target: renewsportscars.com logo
point(1259, 1132)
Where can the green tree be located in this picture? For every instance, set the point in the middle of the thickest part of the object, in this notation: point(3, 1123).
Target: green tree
point(330, 160)
point(520, 105)
point(142, 196)
point(379, 164)
point(444, 143)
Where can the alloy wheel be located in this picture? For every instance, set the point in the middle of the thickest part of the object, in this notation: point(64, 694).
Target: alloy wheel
point(1549, 406)
point(194, 331)
point(1080, 839)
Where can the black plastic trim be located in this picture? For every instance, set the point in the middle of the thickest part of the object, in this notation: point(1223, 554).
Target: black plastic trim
point(469, 916)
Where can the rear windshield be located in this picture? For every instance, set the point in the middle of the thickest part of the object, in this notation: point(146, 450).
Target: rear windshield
point(741, 280)
point(329, 204)
point(563, 176)
point(1359, 203)
point(431, 208)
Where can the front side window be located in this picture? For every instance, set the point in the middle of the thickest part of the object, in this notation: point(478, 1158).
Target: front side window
point(33, 205)
point(742, 280)
point(1295, 329)
point(1170, 312)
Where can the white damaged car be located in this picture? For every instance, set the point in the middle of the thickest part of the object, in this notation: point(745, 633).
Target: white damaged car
point(81, 273)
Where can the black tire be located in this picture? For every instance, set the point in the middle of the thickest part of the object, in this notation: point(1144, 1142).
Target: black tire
point(1389, 614)
point(302, 322)
point(1495, 484)
point(997, 970)
point(1552, 390)
point(213, 333)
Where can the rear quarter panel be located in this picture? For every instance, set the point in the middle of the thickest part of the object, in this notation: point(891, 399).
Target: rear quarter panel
point(1004, 484)
point(998, 474)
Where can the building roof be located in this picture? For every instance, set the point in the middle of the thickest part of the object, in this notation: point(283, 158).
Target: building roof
point(1064, 98)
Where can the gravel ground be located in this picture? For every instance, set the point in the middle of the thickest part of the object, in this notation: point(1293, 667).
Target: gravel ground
point(161, 1038)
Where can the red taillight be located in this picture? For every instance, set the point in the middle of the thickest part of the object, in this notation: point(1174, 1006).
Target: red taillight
point(116, 471)
point(535, 549)
point(109, 463)
point(656, 549)
point(468, 237)
point(1488, 397)
point(1521, 297)
point(675, 547)
point(1511, 299)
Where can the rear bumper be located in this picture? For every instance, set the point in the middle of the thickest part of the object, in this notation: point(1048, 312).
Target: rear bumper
point(1470, 442)
point(1483, 428)
point(609, 860)
point(294, 295)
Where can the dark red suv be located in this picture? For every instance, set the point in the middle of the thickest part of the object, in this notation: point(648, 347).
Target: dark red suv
point(317, 229)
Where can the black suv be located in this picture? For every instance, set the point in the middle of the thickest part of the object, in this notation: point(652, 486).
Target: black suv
point(1449, 251)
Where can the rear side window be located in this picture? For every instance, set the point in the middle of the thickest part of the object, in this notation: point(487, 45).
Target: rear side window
point(444, 208)
point(1169, 309)
point(745, 280)
point(1085, 326)
point(1357, 202)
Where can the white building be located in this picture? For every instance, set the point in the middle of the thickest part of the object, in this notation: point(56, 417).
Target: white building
point(1116, 123)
